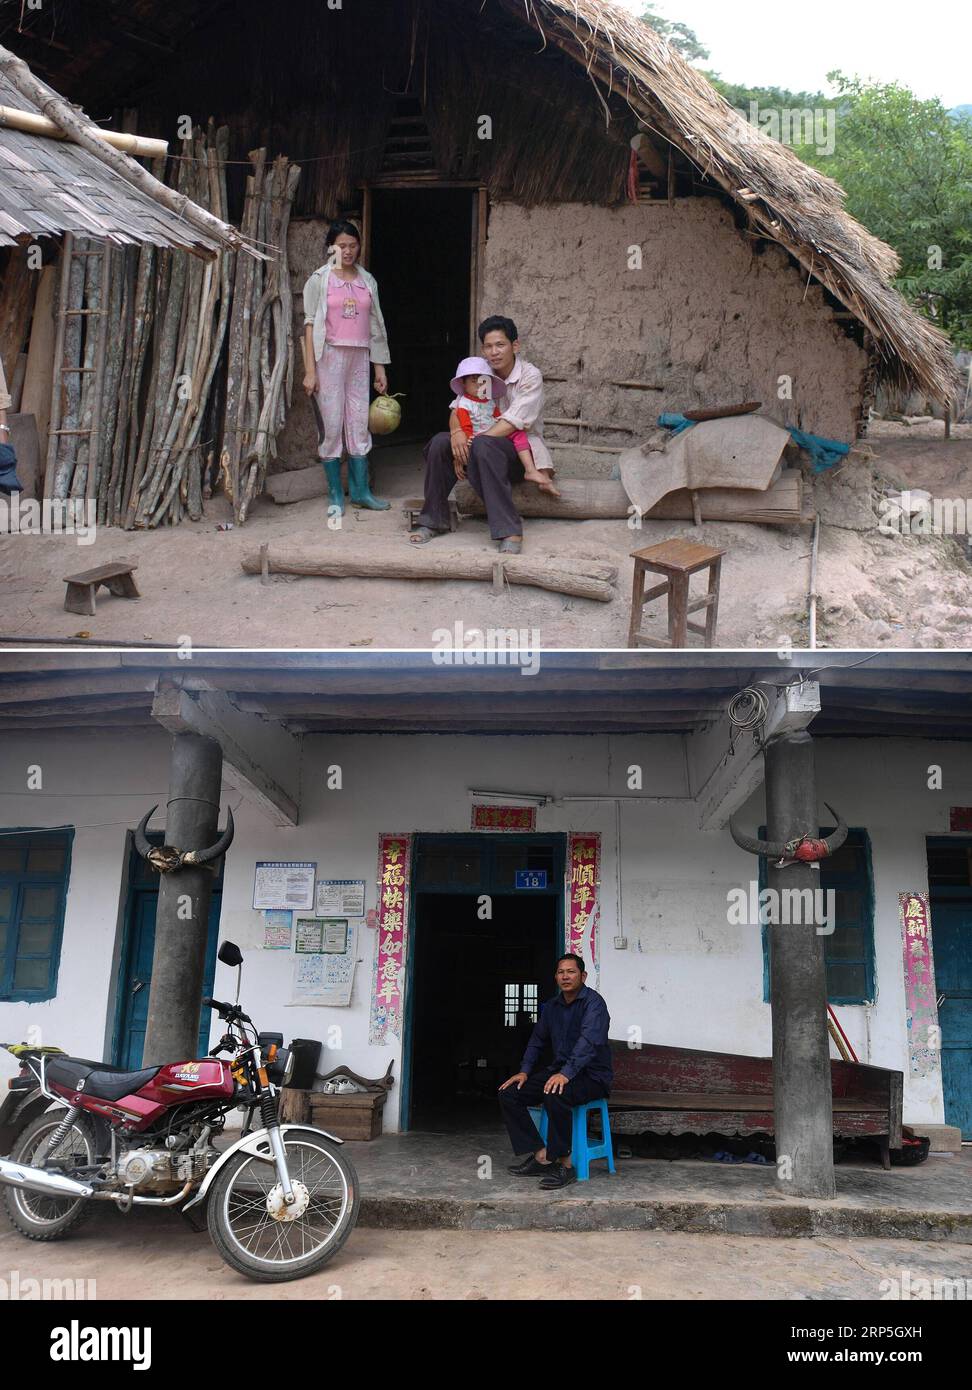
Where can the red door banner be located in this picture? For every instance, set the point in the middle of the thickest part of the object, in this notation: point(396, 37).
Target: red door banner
point(515, 818)
point(924, 1054)
point(394, 862)
point(583, 907)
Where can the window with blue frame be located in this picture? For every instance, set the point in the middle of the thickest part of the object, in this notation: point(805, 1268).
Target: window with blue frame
point(849, 950)
point(34, 869)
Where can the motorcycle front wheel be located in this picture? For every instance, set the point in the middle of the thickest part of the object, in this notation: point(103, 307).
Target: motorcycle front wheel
point(254, 1230)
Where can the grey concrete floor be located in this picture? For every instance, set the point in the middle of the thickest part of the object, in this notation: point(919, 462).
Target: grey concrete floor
point(154, 1256)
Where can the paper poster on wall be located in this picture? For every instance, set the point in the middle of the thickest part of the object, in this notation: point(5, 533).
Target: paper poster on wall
point(285, 886)
point(277, 929)
point(321, 934)
point(326, 976)
point(340, 897)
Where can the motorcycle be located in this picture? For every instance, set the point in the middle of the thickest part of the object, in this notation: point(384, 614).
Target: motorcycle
point(279, 1202)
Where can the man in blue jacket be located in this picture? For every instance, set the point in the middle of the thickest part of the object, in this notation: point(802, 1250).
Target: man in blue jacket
point(574, 1025)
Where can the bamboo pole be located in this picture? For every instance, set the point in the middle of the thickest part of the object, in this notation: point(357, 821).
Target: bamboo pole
point(141, 146)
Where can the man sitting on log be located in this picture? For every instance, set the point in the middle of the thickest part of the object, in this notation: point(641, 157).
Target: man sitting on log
point(574, 1026)
point(490, 460)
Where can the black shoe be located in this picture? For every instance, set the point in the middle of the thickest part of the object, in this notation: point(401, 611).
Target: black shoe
point(558, 1176)
point(529, 1168)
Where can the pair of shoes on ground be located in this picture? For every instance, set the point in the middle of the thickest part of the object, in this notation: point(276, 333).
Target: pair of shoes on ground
point(552, 1175)
point(421, 535)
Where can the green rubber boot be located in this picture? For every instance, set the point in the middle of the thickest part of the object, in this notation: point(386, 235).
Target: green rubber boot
point(359, 488)
point(332, 467)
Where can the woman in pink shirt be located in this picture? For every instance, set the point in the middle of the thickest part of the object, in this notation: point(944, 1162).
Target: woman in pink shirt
point(343, 331)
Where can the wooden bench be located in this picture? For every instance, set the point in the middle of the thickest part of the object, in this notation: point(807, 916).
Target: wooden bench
point(680, 1090)
point(81, 588)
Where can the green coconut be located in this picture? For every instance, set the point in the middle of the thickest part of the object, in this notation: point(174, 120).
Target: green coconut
point(385, 414)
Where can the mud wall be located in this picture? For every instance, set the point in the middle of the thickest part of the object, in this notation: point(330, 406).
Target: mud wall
point(705, 317)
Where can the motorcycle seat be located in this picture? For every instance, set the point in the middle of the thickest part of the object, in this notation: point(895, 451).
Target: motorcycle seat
point(100, 1078)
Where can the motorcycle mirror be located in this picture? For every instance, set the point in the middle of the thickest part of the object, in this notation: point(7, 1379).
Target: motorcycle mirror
point(230, 954)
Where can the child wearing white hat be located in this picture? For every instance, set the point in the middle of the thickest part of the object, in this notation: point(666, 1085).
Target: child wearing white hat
point(476, 385)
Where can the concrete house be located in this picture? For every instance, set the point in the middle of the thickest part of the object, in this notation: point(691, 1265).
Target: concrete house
point(492, 821)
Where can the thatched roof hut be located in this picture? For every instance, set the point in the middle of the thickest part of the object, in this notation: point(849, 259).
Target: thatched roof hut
point(486, 149)
point(120, 48)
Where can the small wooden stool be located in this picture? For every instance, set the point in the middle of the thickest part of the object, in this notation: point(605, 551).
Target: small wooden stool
point(81, 588)
point(415, 506)
point(678, 560)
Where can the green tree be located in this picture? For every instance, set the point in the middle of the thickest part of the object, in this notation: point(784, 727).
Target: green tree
point(680, 36)
point(906, 166)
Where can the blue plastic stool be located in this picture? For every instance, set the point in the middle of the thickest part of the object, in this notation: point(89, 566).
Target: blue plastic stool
point(581, 1148)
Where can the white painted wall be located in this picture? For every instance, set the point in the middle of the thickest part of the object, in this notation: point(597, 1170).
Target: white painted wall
point(686, 978)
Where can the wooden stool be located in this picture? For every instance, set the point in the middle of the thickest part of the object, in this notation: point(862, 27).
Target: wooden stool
point(678, 560)
point(81, 588)
point(415, 506)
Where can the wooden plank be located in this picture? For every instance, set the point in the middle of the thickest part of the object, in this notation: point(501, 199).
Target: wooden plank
point(17, 291)
point(100, 573)
point(727, 1100)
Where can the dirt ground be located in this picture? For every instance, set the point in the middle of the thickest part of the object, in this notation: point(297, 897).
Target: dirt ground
point(874, 590)
point(154, 1255)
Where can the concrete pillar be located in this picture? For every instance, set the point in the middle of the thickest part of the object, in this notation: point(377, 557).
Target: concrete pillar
point(802, 1096)
point(182, 920)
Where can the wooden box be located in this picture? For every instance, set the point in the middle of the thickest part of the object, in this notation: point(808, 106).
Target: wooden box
point(349, 1117)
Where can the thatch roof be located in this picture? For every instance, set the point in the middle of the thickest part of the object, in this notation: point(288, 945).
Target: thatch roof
point(48, 187)
point(786, 201)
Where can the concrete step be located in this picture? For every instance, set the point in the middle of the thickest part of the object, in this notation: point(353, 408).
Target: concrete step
point(546, 1212)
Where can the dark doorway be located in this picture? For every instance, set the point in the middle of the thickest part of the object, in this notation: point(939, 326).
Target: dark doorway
point(476, 981)
point(421, 256)
point(950, 897)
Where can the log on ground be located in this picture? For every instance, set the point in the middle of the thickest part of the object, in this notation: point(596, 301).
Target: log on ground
point(583, 578)
point(599, 500)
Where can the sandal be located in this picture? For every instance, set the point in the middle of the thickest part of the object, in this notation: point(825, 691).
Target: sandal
point(510, 547)
point(423, 534)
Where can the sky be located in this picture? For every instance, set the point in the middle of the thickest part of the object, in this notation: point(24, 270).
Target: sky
point(926, 47)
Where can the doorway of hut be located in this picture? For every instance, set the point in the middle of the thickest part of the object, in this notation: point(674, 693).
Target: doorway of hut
point(482, 960)
point(421, 253)
point(950, 903)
